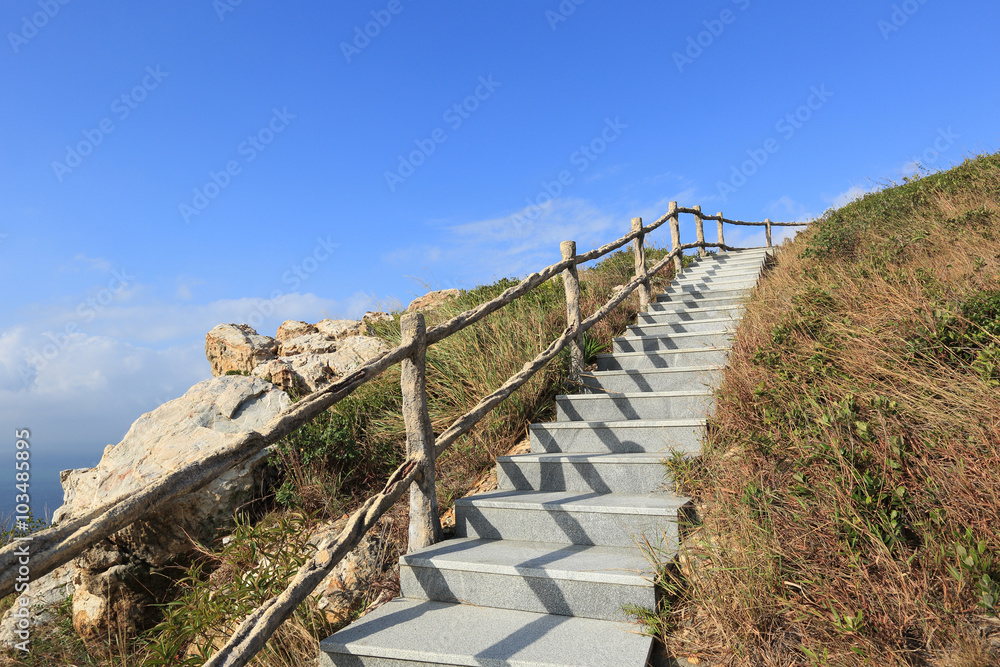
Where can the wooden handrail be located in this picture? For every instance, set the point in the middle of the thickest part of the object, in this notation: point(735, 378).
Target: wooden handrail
point(56, 545)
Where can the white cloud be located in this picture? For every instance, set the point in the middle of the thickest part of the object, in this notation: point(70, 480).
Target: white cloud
point(786, 209)
point(87, 392)
point(536, 229)
point(510, 245)
point(93, 263)
point(152, 322)
point(847, 196)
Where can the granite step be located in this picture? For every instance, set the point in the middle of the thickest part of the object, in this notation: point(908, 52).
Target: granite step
point(639, 472)
point(634, 405)
point(637, 435)
point(566, 517)
point(424, 633)
point(704, 356)
point(565, 579)
point(661, 379)
point(675, 341)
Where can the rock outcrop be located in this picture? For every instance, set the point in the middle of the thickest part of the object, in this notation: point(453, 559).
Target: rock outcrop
point(348, 587)
point(376, 316)
point(432, 300)
point(293, 329)
point(237, 347)
point(315, 343)
point(304, 357)
point(338, 329)
point(118, 581)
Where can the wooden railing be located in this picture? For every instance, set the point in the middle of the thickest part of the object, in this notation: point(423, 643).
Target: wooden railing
point(56, 545)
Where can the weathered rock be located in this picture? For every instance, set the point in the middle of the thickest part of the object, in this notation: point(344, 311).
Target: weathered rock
point(116, 581)
point(280, 373)
point(356, 351)
point(293, 329)
point(338, 329)
point(348, 587)
point(316, 343)
point(237, 347)
point(300, 372)
point(45, 594)
point(114, 590)
point(432, 300)
point(376, 316)
point(309, 372)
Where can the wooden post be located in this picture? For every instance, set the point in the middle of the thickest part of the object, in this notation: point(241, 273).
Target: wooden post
point(767, 230)
point(675, 235)
point(425, 522)
point(722, 237)
point(571, 283)
point(639, 252)
point(699, 228)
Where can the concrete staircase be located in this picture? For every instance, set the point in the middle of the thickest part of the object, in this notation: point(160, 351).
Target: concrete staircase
point(540, 570)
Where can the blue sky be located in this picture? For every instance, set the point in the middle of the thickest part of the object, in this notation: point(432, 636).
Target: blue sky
point(167, 166)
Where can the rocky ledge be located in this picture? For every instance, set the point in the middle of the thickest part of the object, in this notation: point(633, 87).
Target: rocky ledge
point(302, 357)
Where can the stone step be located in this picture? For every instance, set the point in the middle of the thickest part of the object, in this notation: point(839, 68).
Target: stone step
point(661, 379)
point(639, 472)
point(700, 295)
point(686, 303)
point(658, 405)
point(718, 273)
point(637, 435)
point(611, 519)
point(705, 356)
point(736, 263)
point(421, 633)
point(676, 341)
point(709, 283)
point(565, 579)
point(734, 254)
point(671, 328)
point(693, 315)
point(745, 265)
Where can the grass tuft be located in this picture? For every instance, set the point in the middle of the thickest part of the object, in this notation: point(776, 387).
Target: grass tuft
point(849, 482)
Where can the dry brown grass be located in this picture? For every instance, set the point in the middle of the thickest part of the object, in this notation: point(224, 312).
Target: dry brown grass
point(850, 484)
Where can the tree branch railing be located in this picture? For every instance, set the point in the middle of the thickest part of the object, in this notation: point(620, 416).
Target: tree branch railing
point(58, 544)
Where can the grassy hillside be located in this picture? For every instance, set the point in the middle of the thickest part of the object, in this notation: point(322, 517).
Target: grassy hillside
point(345, 455)
point(850, 485)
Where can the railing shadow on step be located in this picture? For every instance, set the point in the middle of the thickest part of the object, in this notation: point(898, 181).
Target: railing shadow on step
point(550, 599)
point(58, 544)
point(616, 445)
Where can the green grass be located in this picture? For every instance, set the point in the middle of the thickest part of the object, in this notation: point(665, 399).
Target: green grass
point(850, 484)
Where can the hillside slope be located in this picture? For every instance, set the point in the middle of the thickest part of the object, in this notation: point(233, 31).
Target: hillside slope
point(850, 488)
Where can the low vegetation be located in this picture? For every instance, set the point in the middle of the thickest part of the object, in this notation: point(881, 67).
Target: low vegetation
point(849, 491)
point(343, 456)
